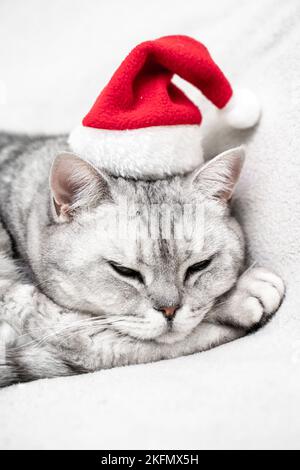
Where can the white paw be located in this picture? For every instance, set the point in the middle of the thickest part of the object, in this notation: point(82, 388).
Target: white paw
point(259, 293)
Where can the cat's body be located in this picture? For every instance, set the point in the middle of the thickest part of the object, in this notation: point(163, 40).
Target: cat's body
point(92, 299)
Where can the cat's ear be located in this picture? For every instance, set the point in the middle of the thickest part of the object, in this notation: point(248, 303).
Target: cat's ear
point(217, 178)
point(75, 184)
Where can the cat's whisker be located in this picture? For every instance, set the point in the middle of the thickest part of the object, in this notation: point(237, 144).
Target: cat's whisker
point(42, 282)
point(220, 304)
point(255, 263)
point(75, 328)
point(73, 325)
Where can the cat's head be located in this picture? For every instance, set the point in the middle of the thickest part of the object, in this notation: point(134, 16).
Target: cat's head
point(151, 257)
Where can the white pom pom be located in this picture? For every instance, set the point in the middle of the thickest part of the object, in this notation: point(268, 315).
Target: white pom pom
point(243, 109)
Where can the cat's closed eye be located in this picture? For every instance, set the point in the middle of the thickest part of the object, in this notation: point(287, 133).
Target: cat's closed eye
point(126, 272)
point(197, 267)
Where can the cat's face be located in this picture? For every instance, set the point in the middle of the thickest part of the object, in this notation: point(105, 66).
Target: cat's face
point(158, 283)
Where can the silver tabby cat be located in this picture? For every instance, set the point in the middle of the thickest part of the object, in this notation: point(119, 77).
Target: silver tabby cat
point(79, 297)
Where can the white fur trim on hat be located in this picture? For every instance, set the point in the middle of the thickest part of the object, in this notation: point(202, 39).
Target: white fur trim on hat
point(243, 110)
point(151, 152)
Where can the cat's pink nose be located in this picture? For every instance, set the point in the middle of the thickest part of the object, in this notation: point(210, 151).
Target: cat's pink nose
point(169, 312)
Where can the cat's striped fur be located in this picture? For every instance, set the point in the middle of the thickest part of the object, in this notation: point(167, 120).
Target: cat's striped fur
point(65, 309)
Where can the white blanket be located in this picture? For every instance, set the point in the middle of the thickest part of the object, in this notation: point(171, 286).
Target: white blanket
point(54, 59)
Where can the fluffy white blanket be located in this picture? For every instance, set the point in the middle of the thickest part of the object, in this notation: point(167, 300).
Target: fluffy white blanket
point(244, 394)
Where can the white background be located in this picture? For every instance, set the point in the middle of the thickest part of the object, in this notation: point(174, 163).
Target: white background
point(55, 56)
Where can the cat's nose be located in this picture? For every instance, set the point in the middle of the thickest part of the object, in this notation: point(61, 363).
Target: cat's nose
point(169, 312)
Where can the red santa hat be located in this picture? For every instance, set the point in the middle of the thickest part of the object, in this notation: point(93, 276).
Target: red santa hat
point(143, 126)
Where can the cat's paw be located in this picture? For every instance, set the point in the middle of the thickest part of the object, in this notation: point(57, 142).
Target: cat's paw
point(259, 293)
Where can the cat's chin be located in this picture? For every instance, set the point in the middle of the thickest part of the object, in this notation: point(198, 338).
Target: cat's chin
point(168, 337)
point(171, 337)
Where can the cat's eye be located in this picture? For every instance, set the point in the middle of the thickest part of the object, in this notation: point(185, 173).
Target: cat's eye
point(126, 272)
point(197, 267)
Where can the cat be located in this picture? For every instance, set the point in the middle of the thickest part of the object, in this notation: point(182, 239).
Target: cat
point(78, 296)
